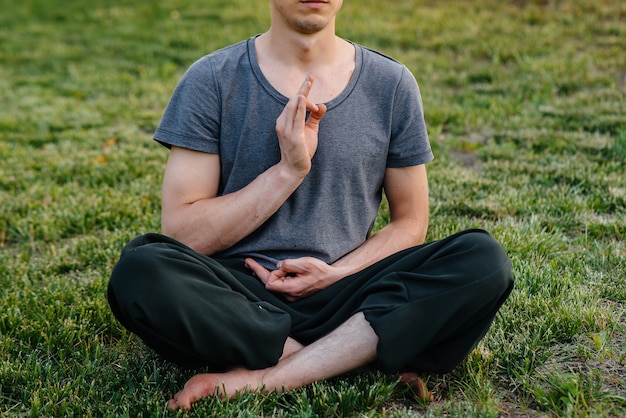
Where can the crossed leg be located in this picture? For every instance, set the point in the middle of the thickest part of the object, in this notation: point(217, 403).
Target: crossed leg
point(351, 345)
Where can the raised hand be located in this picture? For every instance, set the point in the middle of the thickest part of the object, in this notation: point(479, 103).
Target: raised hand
point(297, 135)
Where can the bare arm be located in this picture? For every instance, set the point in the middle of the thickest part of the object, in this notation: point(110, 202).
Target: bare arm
point(194, 214)
point(407, 193)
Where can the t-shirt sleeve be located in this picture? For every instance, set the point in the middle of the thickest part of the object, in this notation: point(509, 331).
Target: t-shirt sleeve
point(191, 118)
point(409, 143)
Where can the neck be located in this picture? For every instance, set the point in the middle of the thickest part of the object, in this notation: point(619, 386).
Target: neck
point(297, 49)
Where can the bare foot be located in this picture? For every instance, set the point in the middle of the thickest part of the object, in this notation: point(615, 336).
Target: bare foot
point(417, 385)
point(226, 385)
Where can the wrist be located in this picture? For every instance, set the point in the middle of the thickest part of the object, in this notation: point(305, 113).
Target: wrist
point(338, 272)
point(289, 174)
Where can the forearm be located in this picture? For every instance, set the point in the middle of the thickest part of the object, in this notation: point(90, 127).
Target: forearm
point(407, 193)
point(394, 237)
point(193, 212)
point(301, 277)
point(213, 224)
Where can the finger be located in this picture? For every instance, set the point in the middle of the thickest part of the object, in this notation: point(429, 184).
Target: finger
point(276, 275)
point(280, 286)
point(261, 272)
point(291, 111)
point(291, 266)
point(285, 121)
point(300, 115)
point(305, 88)
point(316, 116)
point(294, 113)
point(292, 105)
point(288, 288)
point(313, 107)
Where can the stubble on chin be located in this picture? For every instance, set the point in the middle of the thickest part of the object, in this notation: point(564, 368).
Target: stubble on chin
point(309, 26)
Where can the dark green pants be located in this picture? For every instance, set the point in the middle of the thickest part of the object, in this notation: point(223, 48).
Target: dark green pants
point(429, 305)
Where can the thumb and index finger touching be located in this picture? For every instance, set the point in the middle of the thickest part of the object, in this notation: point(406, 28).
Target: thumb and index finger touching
point(317, 110)
point(266, 276)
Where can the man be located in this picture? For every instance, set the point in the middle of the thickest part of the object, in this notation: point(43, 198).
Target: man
point(266, 274)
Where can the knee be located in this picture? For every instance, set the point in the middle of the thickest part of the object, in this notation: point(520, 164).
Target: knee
point(488, 259)
point(132, 267)
point(482, 245)
point(136, 279)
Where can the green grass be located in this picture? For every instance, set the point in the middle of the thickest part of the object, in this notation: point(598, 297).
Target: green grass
point(526, 106)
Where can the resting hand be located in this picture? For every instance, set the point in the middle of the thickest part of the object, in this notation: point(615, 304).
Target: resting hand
point(297, 136)
point(296, 278)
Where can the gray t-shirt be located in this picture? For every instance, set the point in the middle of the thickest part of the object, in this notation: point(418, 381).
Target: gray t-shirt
point(224, 104)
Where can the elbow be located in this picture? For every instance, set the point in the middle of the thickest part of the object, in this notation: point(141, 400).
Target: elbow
point(187, 235)
point(419, 229)
point(420, 235)
point(421, 226)
point(170, 229)
point(409, 232)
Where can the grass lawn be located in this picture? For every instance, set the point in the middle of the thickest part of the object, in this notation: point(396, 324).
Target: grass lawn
point(526, 106)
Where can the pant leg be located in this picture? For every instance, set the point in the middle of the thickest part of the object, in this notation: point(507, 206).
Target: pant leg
point(432, 304)
point(191, 309)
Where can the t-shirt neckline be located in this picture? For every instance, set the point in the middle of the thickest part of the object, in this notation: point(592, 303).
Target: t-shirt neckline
point(256, 69)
